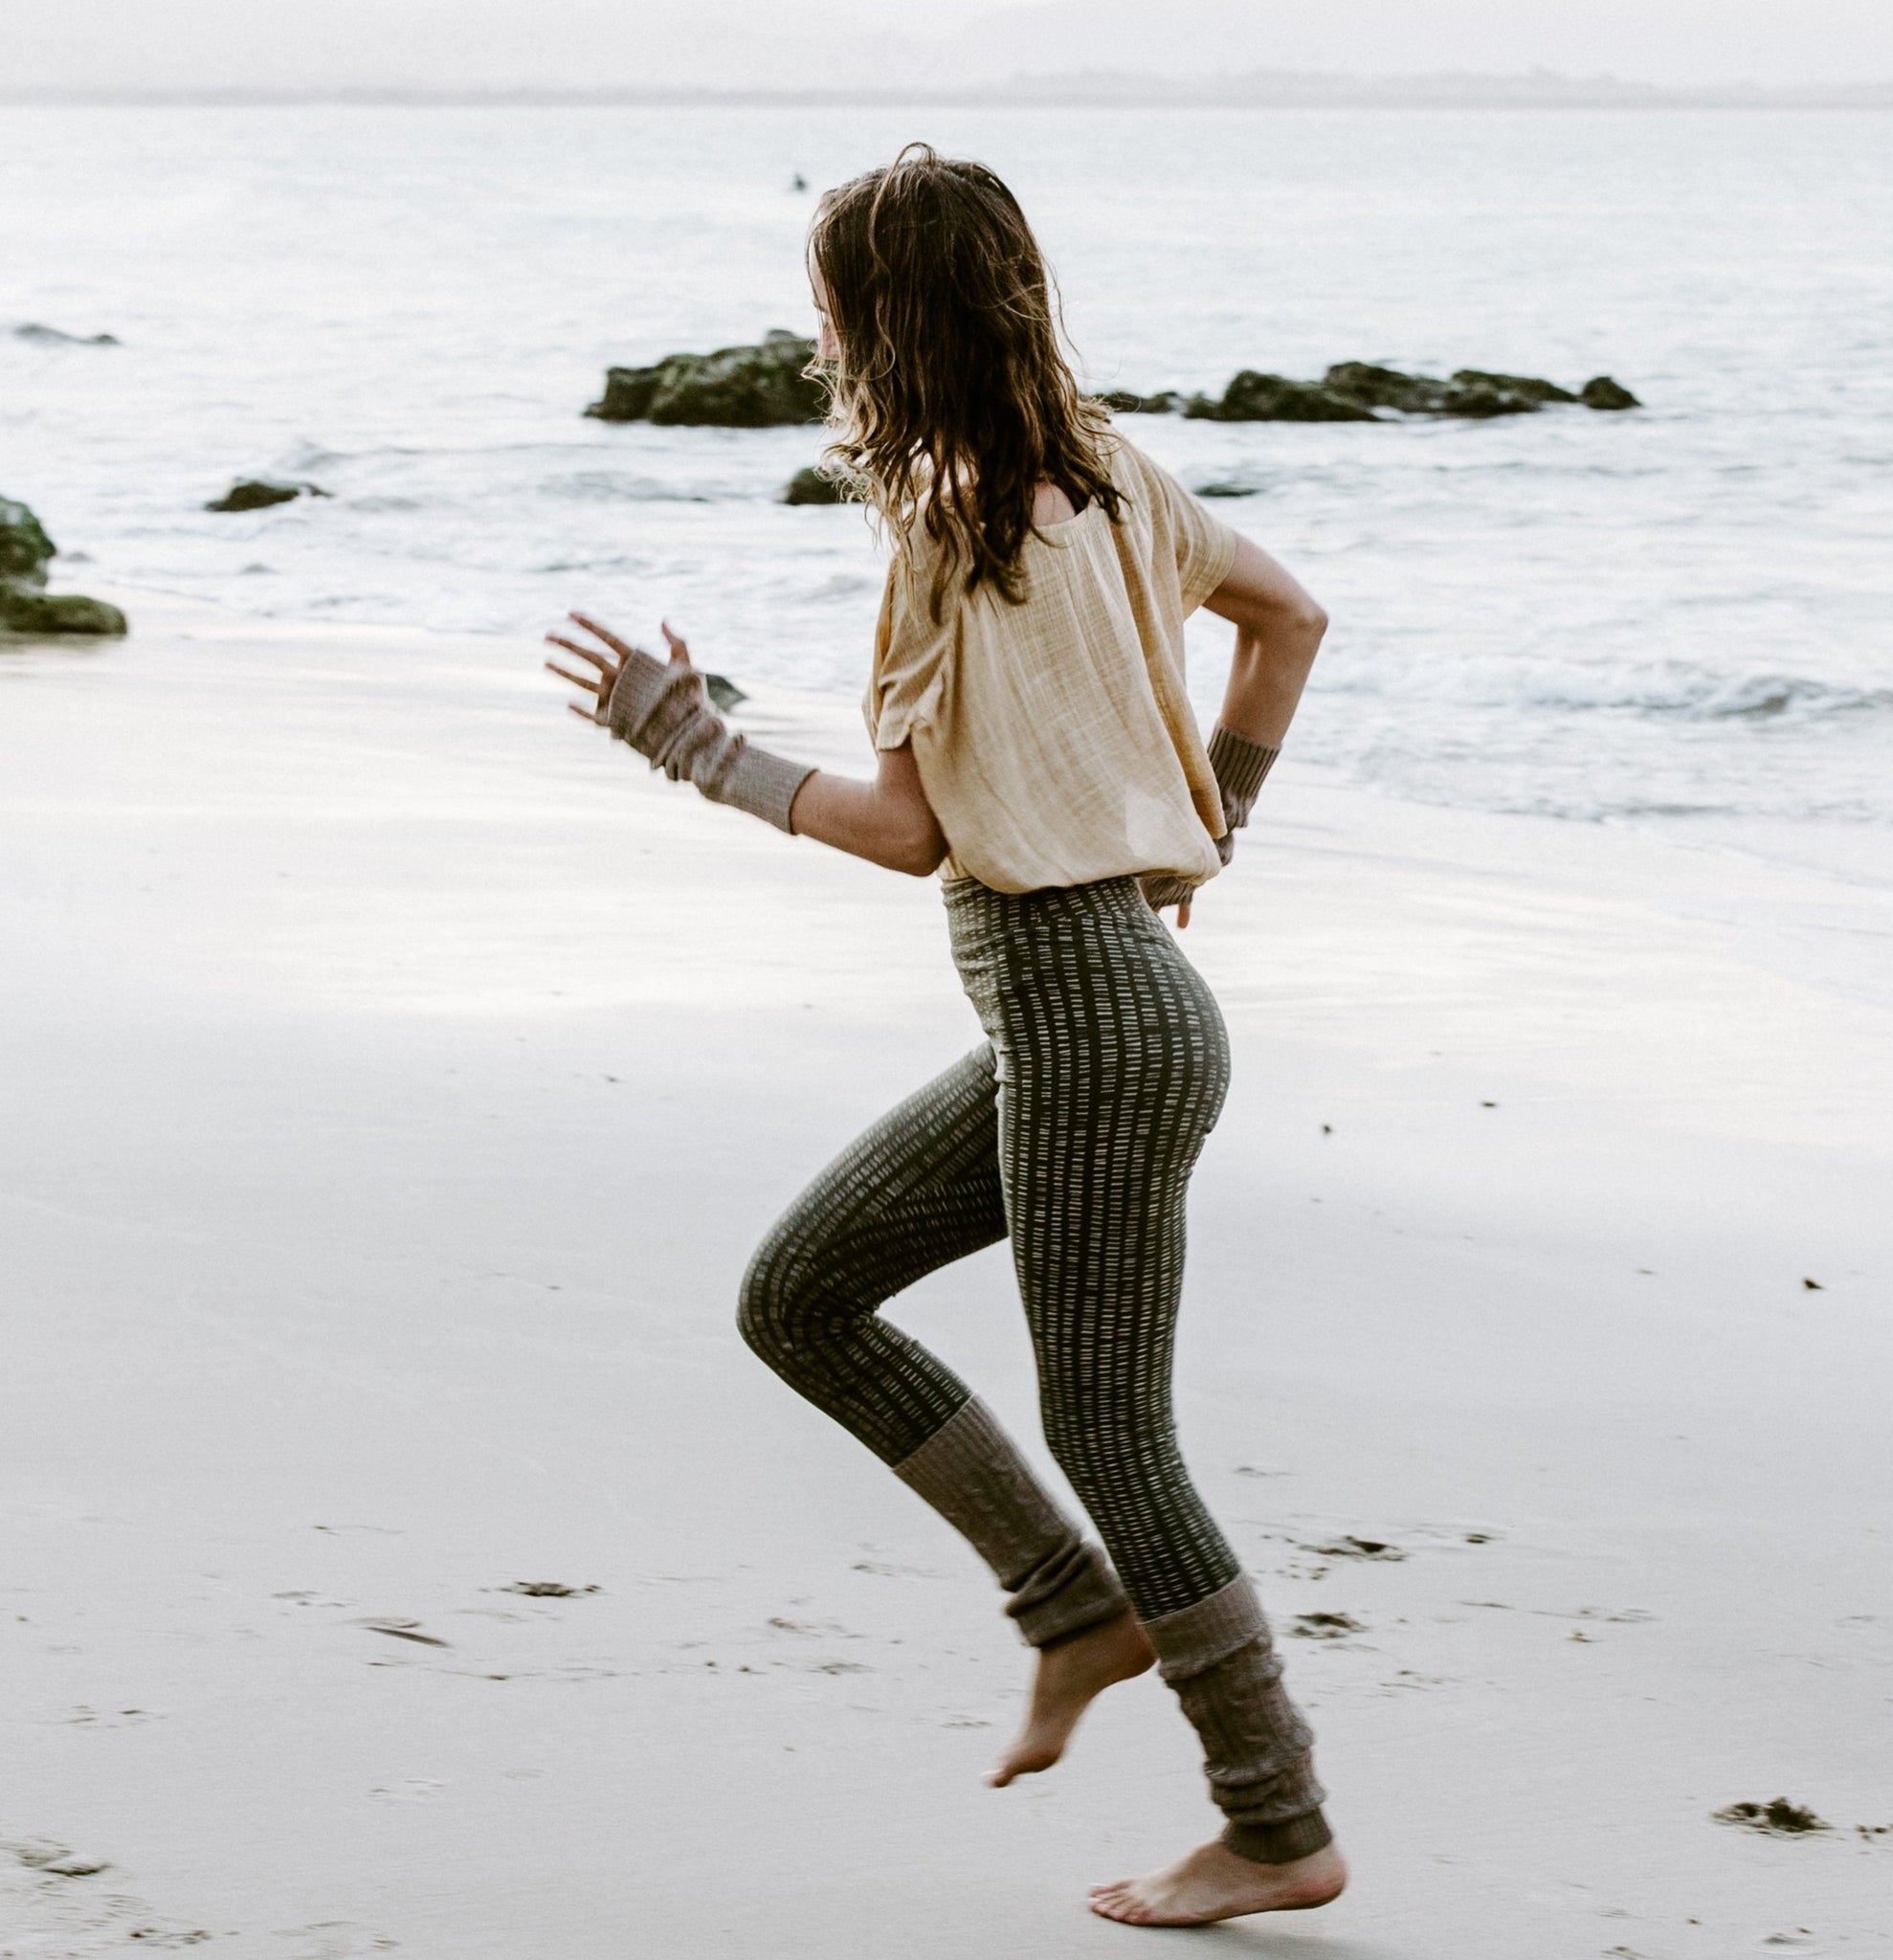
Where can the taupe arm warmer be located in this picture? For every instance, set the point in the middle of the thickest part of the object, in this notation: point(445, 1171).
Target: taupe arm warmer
point(1241, 766)
point(660, 709)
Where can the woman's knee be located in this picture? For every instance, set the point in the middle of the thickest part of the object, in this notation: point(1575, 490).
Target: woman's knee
point(773, 1301)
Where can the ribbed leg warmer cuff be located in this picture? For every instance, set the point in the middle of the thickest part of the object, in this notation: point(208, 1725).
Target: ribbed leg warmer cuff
point(972, 1473)
point(1257, 1751)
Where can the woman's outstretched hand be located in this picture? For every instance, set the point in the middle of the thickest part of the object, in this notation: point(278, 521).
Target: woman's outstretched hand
point(607, 665)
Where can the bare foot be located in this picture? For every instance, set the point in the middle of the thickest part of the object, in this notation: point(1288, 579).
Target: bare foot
point(1214, 1884)
point(1070, 1677)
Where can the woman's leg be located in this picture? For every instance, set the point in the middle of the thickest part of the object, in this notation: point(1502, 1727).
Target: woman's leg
point(918, 1191)
point(1117, 1065)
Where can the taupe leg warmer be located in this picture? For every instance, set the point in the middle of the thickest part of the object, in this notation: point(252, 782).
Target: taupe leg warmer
point(972, 1473)
point(1257, 1751)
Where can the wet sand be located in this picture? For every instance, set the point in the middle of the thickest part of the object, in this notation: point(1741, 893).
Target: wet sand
point(395, 1079)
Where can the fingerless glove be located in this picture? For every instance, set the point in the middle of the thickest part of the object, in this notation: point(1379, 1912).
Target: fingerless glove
point(1240, 768)
point(660, 709)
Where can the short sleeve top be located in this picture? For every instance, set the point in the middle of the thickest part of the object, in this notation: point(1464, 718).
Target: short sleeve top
point(1054, 738)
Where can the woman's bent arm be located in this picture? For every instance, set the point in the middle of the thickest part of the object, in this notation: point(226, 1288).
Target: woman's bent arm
point(1279, 629)
point(888, 821)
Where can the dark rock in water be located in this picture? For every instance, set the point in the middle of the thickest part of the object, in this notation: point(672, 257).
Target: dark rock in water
point(723, 692)
point(1779, 1817)
point(735, 388)
point(24, 545)
point(1481, 402)
point(254, 494)
point(1384, 387)
point(51, 337)
point(1121, 402)
point(29, 612)
point(1360, 391)
point(1470, 393)
point(811, 486)
point(1530, 385)
point(1602, 393)
point(1252, 397)
point(1225, 490)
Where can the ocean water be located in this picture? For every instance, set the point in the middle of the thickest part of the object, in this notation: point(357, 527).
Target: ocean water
point(1681, 616)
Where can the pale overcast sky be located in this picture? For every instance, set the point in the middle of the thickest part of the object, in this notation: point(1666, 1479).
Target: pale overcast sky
point(853, 43)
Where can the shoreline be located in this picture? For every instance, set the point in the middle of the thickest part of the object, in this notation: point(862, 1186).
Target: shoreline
point(1446, 93)
point(1850, 858)
point(401, 1080)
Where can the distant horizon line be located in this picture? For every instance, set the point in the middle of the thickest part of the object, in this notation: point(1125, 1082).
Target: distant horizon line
point(1097, 88)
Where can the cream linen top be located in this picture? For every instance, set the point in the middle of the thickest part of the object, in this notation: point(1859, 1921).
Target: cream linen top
point(1054, 738)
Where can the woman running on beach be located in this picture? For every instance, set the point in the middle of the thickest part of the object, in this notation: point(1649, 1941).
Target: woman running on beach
point(1035, 746)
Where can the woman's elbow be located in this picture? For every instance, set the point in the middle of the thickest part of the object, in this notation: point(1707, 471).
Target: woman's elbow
point(919, 856)
point(916, 844)
point(1285, 620)
point(1308, 618)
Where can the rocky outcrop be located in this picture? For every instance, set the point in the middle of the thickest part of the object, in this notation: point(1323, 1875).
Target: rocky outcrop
point(1602, 393)
point(1470, 393)
point(1529, 385)
point(1360, 391)
point(1252, 397)
point(1121, 402)
point(811, 486)
point(24, 612)
point(254, 493)
point(25, 605)
point(759, 386)
point(52, 336)
point(24, 548)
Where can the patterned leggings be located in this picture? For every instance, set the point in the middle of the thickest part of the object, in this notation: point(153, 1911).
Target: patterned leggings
point(1074, 1132)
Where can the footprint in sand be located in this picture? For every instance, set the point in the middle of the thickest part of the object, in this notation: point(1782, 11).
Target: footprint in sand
point(816, 1628)
point(56, 1861)
point(401, 1629)
point(1775, 1818)
point(1351, 1546)
point(333, 1939)
point(1326, 1626)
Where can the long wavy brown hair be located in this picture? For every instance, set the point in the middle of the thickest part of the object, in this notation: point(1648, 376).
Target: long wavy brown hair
point(952, 400)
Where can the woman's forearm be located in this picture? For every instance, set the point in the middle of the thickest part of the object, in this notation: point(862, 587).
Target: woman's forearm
point(1279, 629)
point(1266, 676)
point(888, 821)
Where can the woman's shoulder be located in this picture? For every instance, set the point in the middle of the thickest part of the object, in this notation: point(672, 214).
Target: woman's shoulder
point(1121, 456)
point(1142, 483)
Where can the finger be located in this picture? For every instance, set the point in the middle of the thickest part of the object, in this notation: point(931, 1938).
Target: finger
point(679, 648)
point(584, 714)
point(576, 680)
point(1183, 915)
point(603, 633)
point(571, 646)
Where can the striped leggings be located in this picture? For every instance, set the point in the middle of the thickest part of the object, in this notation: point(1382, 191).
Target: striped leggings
point(1072, 1132)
